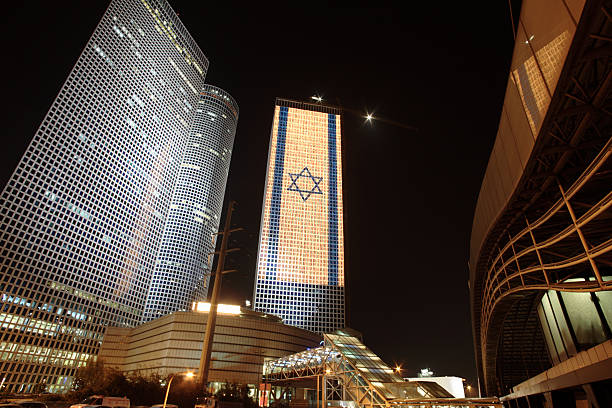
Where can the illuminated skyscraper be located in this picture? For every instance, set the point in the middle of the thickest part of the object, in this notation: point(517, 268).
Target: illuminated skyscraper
point(133, 152)
point(300, 266)
point(182, 269)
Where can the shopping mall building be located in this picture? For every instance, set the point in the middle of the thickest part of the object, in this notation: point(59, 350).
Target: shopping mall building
point(243, 341)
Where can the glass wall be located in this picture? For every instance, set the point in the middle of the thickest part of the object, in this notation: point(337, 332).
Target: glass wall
point(574, 322)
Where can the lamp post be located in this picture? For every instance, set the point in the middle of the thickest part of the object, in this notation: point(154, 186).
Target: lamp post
point(188, 374)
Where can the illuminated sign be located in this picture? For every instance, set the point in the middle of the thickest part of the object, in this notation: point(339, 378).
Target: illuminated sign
point(221, 308)
point(301, 249)
point(302, 235)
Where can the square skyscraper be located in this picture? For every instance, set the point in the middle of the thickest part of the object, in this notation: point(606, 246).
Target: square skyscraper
point(110, 215)
point(300, 266)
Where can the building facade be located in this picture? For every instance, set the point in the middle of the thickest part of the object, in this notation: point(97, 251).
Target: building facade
point(540, 255)
point(83, 215)
point(243, 341)
point(454, 385)
point(300, 267)
point(182, 266)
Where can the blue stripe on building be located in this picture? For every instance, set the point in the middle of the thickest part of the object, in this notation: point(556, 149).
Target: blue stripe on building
point(332, 200)
point(277, 191)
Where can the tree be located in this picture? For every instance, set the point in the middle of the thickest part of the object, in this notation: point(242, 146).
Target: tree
point(95, 378)
point(145, 390)
point(89, 379)
point(185, 393)
point(39, 388)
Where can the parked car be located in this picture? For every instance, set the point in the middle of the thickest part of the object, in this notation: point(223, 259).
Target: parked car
point(102, 401)
point(23, 404)
point(32, 404)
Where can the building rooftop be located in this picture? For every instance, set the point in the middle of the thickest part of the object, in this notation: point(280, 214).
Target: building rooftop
point(313, 106)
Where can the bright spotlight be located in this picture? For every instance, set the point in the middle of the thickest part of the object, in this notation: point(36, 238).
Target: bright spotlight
point(369, 117)
point(317, 98)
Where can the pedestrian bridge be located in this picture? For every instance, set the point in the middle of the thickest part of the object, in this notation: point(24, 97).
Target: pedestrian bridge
point(343, 372)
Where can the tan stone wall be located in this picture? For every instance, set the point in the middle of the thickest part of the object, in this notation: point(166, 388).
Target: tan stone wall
point(173, 343)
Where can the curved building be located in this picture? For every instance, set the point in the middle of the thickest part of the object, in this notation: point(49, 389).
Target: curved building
point(182, 267)
point(541, 246)
point(243, 341)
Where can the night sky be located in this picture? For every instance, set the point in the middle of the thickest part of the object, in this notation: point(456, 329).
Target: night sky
point(409, 196)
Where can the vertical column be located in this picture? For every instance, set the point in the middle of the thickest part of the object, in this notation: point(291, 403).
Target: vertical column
point(537, 251)
point(277, 188)
point(518, 267)
point(581, 236)
point(332, 200)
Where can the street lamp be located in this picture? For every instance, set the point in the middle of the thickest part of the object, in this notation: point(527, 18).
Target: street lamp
point(398, 369)
point(188, 374)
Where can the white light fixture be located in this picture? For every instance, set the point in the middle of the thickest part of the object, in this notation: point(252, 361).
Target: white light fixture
point(221, 308)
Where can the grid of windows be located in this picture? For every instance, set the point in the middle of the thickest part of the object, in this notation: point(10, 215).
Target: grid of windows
point(84, 213)
point(530, 83)
point(182, 269)
point(300, 271)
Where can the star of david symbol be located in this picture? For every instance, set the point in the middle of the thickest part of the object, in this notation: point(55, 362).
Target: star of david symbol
point(305, 193)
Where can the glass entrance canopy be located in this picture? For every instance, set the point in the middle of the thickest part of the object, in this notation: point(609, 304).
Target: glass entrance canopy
point(365, 378)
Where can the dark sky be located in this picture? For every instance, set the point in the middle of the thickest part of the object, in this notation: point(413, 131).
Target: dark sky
point(409, 197)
